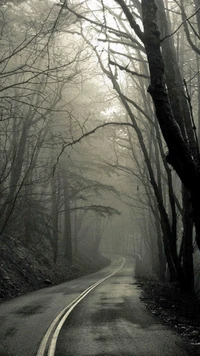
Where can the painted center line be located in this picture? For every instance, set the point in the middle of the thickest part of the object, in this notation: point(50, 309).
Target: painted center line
point(51, 336)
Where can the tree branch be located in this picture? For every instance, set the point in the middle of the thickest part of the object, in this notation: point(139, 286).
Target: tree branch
point(128, 70)
point(70, 144)
point(131, 19)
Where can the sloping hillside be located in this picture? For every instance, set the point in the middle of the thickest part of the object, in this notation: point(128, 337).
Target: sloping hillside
point(22, 270)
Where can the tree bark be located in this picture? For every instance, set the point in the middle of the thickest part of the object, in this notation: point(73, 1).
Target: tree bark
point(187, 249)
point(179, 155)
point(55, 189)
point(67, 234)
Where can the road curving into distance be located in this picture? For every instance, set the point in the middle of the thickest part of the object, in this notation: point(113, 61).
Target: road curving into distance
point(100, 314)
point(55, 328)
point(113, 321)
point(25, 320)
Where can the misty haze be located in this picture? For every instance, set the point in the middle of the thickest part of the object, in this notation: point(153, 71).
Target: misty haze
point(100, 178)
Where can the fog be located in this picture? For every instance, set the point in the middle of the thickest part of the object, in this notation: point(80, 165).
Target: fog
point(93, 160)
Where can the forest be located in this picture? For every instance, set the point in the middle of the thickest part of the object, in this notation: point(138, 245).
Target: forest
point(100, 132)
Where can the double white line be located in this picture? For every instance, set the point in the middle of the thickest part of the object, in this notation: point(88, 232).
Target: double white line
point(51, 336)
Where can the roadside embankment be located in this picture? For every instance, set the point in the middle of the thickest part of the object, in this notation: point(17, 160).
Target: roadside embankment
point(23, 270)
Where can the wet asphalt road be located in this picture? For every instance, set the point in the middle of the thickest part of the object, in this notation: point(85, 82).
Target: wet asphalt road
point(111, 320)
point(24, 320)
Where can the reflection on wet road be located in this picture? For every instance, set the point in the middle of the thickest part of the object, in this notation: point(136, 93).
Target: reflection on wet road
point(110, 320)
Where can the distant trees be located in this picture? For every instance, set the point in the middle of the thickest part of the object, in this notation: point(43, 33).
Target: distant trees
point(52, 99)
point(41, 77)
point(30, 91)
point(128, 50)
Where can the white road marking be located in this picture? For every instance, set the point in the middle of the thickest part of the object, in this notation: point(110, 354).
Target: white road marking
point(63, 315)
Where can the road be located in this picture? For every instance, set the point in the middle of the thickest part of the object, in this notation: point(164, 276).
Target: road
point(107, 320)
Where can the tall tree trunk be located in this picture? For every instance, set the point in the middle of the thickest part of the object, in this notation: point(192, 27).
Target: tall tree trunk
point(179, 155)
point(197, 6)
point(174, 83)
point(14, 184)
point(55, 187)
point(67, 234)
point(187, 250)
point(161, 254)
point(75, 236)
